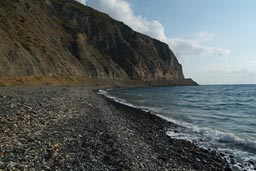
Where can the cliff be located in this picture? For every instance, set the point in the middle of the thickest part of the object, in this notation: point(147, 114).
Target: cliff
point(65, 38)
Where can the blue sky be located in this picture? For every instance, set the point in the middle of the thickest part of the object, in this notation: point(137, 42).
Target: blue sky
point(214, 40)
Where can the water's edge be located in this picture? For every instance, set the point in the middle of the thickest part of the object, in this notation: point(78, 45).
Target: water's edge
point(179, 133)
point(176, 126)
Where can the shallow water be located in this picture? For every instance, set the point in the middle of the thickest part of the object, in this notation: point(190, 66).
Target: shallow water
point(219, 117)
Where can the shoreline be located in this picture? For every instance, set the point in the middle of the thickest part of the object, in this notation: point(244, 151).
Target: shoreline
point(72, 127)
point(181, 145)
point(60, 80)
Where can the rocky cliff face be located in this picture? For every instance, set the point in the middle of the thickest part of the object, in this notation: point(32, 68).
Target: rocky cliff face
point(62, 37)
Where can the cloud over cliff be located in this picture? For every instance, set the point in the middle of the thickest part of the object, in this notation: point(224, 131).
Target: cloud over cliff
point(82, 1)
point(121, 10)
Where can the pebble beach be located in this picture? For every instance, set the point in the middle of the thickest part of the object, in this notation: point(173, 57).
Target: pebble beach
point(74, 128)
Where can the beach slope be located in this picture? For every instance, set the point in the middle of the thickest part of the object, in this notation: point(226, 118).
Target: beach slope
point(73, 128)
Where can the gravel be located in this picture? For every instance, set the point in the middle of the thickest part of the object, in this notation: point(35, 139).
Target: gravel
point(73, 128)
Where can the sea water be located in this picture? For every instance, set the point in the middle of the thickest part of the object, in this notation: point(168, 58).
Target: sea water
point(216, 117)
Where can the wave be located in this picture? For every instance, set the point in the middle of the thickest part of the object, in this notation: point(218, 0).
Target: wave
point(205, 137)
point(118, 100)
point(210, 134)
point(228, 138)
point(240, 151)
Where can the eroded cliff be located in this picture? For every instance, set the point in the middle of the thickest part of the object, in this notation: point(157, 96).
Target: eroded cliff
point(63, 37)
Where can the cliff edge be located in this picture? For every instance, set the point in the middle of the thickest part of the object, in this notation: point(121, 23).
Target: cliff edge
point(64, 38)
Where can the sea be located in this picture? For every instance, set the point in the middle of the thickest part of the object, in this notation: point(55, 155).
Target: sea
point(216, 117)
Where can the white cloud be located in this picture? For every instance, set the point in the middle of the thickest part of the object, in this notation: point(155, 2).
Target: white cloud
point(228, 71)
point(192, 45)
point(82, 1)
point(186, 47)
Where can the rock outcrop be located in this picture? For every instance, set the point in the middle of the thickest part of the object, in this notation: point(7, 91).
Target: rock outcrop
point(63, 37)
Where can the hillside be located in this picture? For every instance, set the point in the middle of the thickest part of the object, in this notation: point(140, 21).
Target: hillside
point(62, 38)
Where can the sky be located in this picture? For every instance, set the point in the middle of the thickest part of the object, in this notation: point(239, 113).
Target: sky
point(214, 40)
